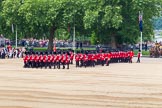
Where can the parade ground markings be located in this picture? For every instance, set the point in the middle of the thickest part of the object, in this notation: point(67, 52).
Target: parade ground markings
point(122, 85)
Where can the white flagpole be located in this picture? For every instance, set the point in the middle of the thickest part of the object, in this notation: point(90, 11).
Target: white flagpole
point(141, 43)
point(141, 15)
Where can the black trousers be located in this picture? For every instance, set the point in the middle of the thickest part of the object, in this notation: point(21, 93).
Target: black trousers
point(138, 60)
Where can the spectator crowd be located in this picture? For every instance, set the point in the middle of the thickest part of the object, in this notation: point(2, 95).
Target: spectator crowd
point(10, 52)
point(44, 42)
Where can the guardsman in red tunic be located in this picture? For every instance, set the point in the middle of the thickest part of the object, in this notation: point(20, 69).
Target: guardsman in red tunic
point(119, 56)
point(55, 60)
point(125, 56)
point(77, 59)
point(41, 60)
point(89, 59)
point(139, 56)
point(26, 60)
point(102, 59)
point(59, 57)
point(67, 62)
point(63, 59)
point(98, 55)
point(45, 58)
point(112, 57)
point(36, 60)
point(131, 56)
point(81, 59)
point(122, 56)
point(52, 59)
point(85, 59)
point(108, 59)
point(116, 57)
point(49, 61)
point(71, 57)
point(32, 59)
point(93, 59)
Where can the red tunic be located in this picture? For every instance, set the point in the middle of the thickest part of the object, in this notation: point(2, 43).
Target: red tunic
point(139, 55)
point(26, 58)
point(45, 58)
point(31, 58)
point(76, 57)
point(49, 58)
point(40, 58)
point(67, 58)
point(36, 58)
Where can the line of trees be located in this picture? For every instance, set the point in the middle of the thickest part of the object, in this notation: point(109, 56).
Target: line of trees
point(106, 21)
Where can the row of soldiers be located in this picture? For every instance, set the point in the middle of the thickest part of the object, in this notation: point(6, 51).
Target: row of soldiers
point(82, 59)
point(48, 59)
point(102, 58)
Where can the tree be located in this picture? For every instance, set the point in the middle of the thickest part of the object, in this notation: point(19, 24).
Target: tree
point(113, 21)
point(118, 19)
point(46, 15)
point(103, 16)
point(129, 30)
point(2, 20)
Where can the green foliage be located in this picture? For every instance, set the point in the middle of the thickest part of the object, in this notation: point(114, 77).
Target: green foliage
point(105, 19)
point(93, 38)
point(62, 34)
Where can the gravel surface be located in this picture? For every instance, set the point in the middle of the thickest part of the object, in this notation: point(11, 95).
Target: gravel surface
point(122, 85)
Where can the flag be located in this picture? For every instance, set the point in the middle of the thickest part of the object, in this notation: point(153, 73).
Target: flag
point(12, 28)
point(140, 22)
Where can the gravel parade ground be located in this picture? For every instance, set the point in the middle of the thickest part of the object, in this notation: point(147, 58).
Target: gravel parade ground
point(122, 85)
